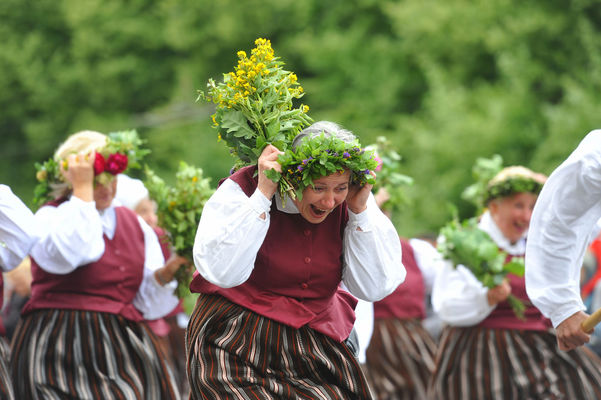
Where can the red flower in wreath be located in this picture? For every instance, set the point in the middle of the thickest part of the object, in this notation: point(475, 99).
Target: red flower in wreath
point(116, 163)
point(98, 164)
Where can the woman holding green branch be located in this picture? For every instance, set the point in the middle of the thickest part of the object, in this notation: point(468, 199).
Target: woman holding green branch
point(494, 348)
point(98, 273)
point(272, 320)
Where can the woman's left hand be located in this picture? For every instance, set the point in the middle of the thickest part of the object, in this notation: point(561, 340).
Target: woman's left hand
point(166, 273)
point(357, 196)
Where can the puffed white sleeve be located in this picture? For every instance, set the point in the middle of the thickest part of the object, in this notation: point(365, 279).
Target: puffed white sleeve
point(564, 216)
point(230, 233)
point(17, 229)
point(372, 255)
point(429, 260)
point(70, 235)
point(153, 299)
point(458, 297)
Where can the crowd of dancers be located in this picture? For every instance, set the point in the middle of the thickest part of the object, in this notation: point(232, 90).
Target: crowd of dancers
point(303, 294)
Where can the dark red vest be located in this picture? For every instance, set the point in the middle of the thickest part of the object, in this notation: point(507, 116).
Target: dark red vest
point(408, 300)
point(107, 285)
point(297, 271)
point(503, 317)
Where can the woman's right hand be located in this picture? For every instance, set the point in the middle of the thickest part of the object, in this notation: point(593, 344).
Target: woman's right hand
point(78, 170)
point(498, 293)
point(268, 160)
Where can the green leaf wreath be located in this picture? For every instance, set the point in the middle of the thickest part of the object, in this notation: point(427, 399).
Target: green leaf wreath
point(179, 209)
point(254, 105)
point(320, 156)
point(466, 244)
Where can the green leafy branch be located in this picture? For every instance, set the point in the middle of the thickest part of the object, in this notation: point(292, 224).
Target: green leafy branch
point(466, 244)
point(179, 209)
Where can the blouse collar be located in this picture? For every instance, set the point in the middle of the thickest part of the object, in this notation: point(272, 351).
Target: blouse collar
point(488, 225)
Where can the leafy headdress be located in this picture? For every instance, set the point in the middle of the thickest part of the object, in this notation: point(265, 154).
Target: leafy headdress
point(254, 107)
point(254, 104)
point(320, 150)
point(493, 181)
point(114, 153)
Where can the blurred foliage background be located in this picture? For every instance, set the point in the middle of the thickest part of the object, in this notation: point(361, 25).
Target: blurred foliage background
point(446, 82)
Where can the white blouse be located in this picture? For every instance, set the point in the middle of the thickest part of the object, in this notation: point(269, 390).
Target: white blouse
point(563, 225)
point(231, 232)
point(71, 235)
point(458, 297)
point(17, 229)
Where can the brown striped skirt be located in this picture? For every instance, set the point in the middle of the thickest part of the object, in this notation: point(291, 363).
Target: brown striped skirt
point(482, 363)
point(59, 354)
point(6, 387)
point(234, 353)
point(400, 359)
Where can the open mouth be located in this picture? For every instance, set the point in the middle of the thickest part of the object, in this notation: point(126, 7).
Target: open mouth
point(318, 211)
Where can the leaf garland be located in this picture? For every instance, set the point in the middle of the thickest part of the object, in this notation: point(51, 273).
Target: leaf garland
point(320, 156)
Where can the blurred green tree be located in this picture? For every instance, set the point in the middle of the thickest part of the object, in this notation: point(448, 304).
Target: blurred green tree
point(446, 82)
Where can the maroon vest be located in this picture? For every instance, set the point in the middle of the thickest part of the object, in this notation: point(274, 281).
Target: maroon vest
point(408, 300)
point(107, 285)
point(503, 317)
point(297, 271)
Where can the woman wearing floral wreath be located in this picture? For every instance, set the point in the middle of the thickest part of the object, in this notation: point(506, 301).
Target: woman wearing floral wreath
point(98, 271)
point(271, 321)
point(497, 345)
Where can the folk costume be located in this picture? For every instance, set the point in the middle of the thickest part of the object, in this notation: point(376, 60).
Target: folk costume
point(487, 352)
point(271, 321)
point(17, 236)
point(82, 332)
point(400, 356)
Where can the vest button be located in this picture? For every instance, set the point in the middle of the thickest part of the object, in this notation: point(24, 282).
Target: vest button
point(307, 260)
point(304, 286)
point(121, 268)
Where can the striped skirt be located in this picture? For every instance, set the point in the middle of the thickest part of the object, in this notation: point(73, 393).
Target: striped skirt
point(481, 363)
point(400, 359)
point(6, 387)
point(234, 353)
point(59, 354)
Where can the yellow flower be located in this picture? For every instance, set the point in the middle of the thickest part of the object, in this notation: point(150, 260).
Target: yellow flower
point(194, 179)
point(41, 175)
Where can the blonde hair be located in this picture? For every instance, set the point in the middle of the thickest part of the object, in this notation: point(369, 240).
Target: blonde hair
point(80, 142)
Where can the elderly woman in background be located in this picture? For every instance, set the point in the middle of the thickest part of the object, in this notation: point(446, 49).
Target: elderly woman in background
point(272, 320)
point(98, 272)
point(488, 351)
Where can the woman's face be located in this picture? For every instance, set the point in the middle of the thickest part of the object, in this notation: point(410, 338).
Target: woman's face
point(319, 201)
point(512, 214)
point(147, 209)
point(104, 194)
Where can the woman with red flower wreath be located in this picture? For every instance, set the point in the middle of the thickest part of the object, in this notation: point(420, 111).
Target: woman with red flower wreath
point(98, 272)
